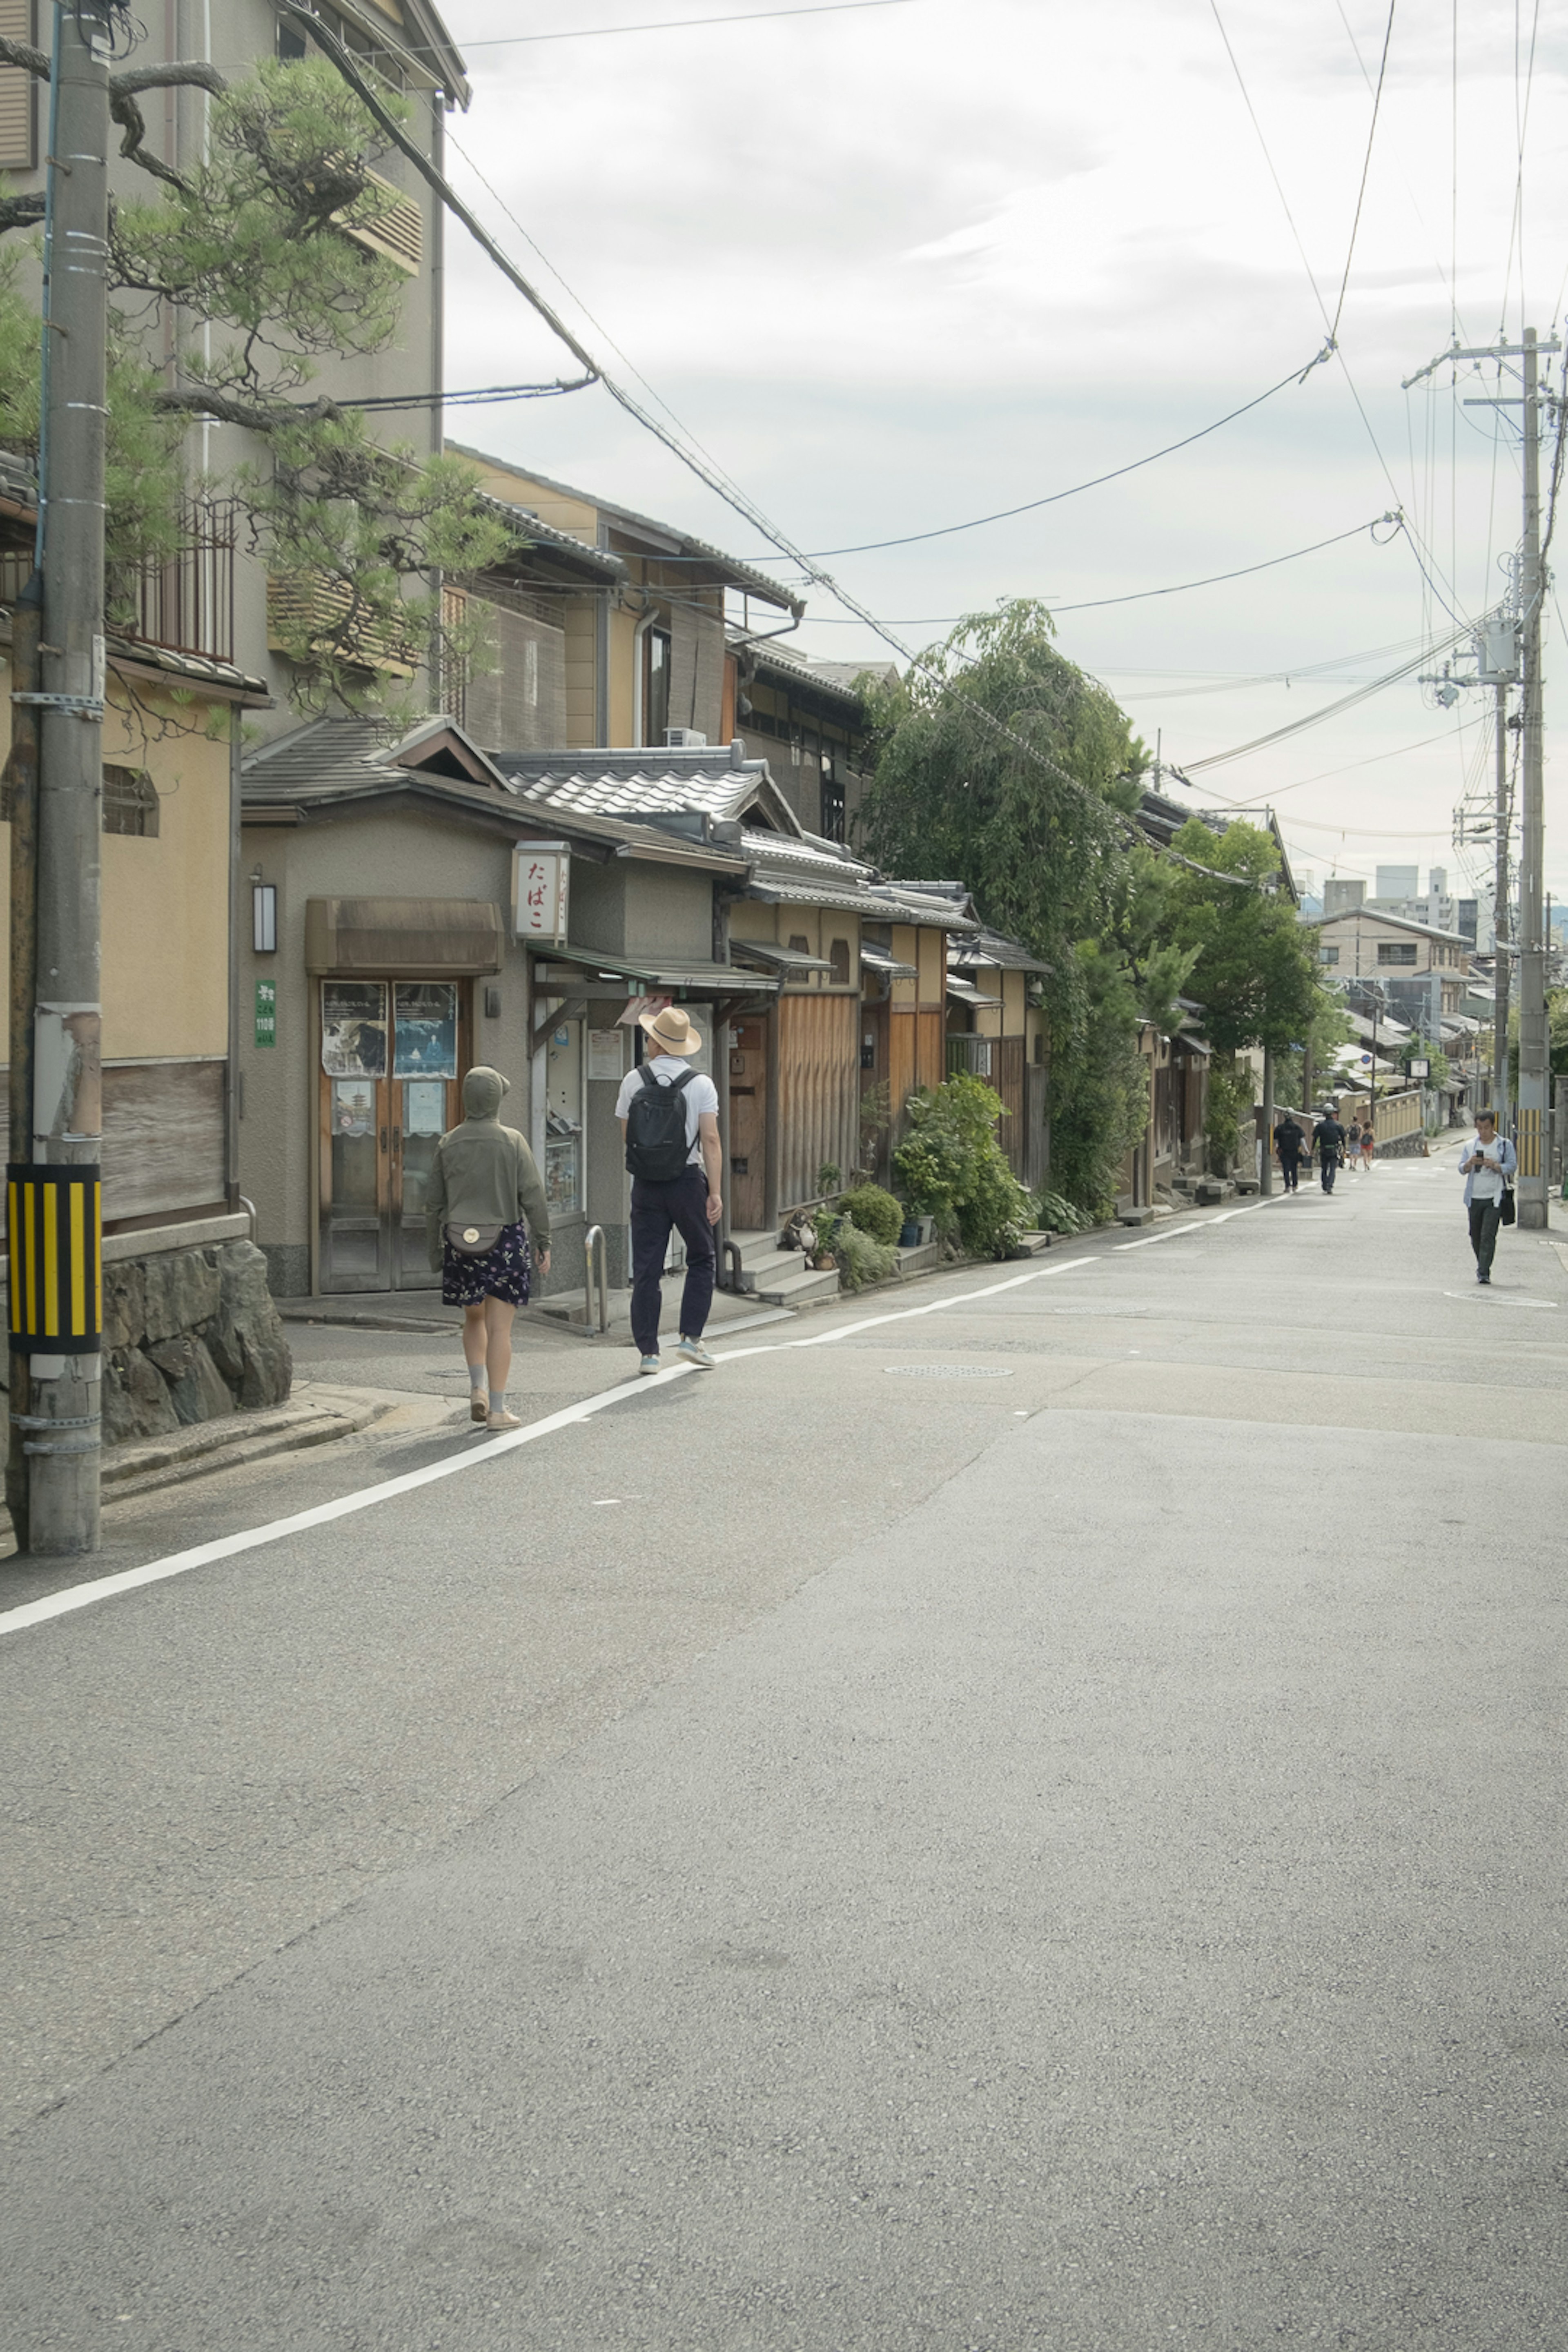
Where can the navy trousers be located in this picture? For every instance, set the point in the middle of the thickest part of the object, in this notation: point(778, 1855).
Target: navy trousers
point(1329, 1167)
point(656, 1210)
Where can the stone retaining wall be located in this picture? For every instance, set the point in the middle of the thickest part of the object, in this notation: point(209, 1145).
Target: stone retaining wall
point(189, 1335)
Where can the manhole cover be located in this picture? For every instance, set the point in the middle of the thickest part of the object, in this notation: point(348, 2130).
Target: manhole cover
point(949, 1372)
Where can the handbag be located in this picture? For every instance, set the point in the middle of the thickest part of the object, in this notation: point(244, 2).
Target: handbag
point(1505, 1214)
point(472, 1241)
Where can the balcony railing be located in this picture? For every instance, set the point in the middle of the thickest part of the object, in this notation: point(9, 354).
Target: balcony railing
point(186, 605)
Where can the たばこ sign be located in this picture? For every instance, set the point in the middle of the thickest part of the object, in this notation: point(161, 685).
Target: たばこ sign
point(540, 872)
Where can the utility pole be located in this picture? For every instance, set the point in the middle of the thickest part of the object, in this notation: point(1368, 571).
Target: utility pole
point(1533, 1057)
point(55, 1195)
point(1266, 1170)
point(1500, 926)
point(1533, 1063)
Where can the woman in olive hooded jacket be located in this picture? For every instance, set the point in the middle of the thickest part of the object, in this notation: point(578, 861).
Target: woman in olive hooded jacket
point(485, 1178)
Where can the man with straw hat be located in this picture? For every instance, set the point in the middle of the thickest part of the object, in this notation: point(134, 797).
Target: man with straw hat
point(670, 1119)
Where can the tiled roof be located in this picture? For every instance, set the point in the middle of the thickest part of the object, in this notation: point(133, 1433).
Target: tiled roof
point(679, 542)
point(715, 783)
point(532, 528)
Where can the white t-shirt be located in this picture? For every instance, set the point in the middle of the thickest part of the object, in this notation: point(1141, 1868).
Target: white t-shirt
point(700, 1095)
point(1486, 1183)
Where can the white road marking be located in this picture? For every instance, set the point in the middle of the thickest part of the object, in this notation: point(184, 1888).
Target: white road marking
point(1497, 1298)
point(180, 1563)
point(1183, 1232)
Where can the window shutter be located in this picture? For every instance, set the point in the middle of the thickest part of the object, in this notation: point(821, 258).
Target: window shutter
point(399, 234)
point(17, 103)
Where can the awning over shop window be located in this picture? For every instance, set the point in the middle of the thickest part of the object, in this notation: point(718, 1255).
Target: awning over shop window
point(968, 994)
point(601, 973)
point(773, 959)
point(412, 938)
point(879, 959)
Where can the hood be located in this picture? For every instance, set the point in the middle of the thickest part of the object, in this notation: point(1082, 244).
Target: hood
point(482, 1092)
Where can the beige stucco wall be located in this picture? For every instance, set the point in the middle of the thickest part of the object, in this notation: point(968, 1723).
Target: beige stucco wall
point(165, 900)
point(404, 854)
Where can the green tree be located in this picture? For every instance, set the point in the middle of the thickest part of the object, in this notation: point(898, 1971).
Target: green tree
point(1254, 970)
point(1000, 764)
point(257, 242)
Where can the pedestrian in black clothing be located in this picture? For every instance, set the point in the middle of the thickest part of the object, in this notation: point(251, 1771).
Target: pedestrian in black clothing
point(1329, 1139)
point(1288, 1143)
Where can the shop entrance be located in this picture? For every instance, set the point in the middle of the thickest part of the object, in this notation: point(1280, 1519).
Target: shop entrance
point(748, 1125)
point(391, 1052)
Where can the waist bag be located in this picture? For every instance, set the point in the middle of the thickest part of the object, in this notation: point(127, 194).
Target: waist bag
point(472, 1241)
point(657, 1148)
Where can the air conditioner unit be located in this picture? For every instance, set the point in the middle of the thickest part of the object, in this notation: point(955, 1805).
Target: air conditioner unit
point(684, 738)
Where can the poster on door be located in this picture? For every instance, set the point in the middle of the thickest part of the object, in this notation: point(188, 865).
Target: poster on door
point(353, 1028)
point(425, 1036)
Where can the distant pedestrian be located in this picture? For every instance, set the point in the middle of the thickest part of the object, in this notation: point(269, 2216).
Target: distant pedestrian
point(1329, 1141)
point(1288, 1143)
point(1352, 1146)
point(1367, 1142)
point(1486, 1163)
point(670, 1119)
point(483, 1190)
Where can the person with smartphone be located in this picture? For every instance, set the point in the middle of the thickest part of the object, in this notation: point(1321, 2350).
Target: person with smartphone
point(1486, 1163)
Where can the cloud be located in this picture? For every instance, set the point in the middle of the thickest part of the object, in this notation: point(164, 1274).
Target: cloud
point(900, 267)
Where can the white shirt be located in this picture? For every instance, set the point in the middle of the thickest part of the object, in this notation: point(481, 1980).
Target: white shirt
point(700, 1095)
point(1486, 1183)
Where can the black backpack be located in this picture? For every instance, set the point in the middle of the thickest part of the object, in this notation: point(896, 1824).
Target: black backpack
point(657, 1149)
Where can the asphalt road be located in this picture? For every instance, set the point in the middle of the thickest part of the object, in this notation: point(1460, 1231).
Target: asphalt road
point(1034, 1824)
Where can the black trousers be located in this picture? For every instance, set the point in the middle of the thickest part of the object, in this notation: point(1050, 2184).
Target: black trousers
point(1330, 1169)
point(1485, 1216)
point(656, 1208)
point(1291, 1170)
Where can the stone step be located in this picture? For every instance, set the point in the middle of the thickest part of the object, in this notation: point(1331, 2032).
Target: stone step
point(794, 1289)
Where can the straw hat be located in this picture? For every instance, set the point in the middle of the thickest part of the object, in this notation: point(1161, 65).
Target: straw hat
point(670, 1031)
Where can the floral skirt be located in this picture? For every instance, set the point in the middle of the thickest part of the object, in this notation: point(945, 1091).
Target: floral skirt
point(504, 1272)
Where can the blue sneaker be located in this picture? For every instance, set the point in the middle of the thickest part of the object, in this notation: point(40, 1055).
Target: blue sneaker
point(694, 1353)
point(650, 1364)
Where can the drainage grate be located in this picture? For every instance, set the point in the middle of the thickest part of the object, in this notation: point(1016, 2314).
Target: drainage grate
point(949, 1371)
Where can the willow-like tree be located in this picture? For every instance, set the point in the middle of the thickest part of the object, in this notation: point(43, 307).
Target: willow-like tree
point(1002, 765)
point(250, 253)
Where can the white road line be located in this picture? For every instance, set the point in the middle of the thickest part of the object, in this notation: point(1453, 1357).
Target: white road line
point(1184, 1233)
point(180, 1563)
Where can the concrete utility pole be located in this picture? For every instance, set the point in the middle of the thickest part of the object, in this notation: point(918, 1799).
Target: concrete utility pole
point(1501, 927)
point(56, 1220)
point(1533, 1055)
point(1533, 1063)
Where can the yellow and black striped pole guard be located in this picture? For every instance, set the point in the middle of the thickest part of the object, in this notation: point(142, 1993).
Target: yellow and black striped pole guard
point(56, 1235)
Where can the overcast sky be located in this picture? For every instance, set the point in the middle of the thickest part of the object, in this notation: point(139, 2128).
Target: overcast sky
point(896, 266)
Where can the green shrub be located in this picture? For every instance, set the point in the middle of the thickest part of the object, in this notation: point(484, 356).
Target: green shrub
point(860, 1258)
point(1053, 1214)
point(829, 1176)
point(875, 1211)
point(951, 1166)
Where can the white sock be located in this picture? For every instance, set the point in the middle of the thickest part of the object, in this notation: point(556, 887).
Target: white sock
point(477, 1377)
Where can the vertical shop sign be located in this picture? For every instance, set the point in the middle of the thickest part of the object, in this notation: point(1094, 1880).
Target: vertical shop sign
point(540, 872)
point(267, 1013)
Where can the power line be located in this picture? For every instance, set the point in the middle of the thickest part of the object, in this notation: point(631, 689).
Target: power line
point(1033, 506)
point(486, 395)
point(1141, 595)
point(348, 67)
point(679, 24)
point(1317, 295)
point(1366, 166)
point(1331, 709)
